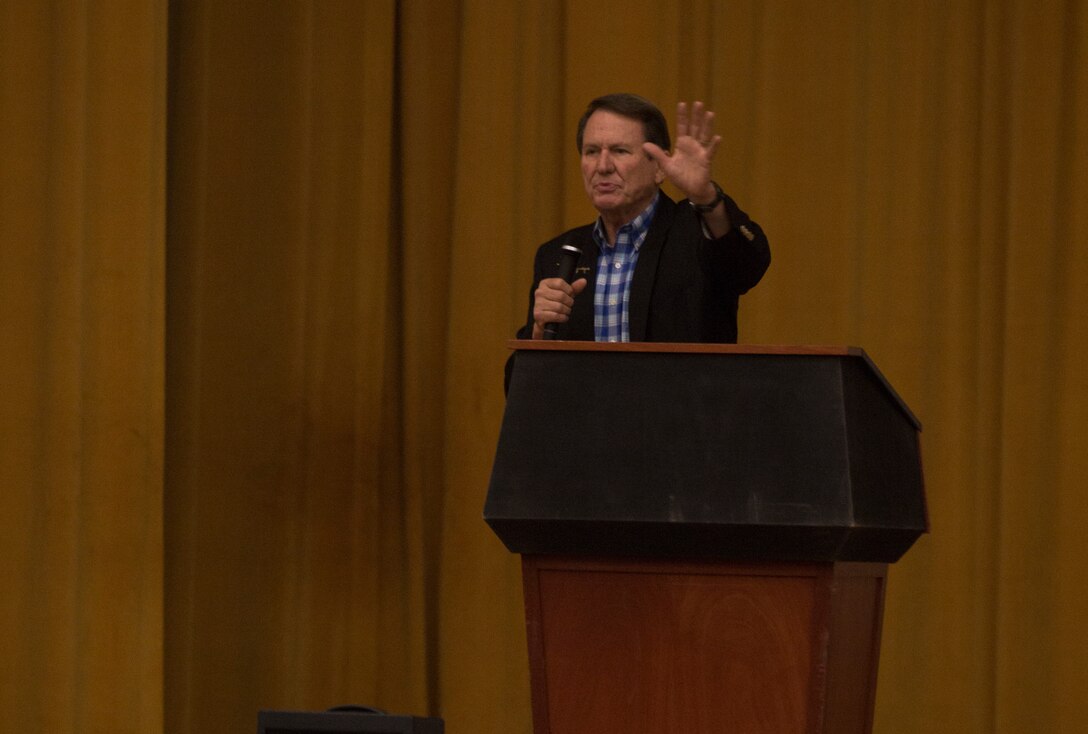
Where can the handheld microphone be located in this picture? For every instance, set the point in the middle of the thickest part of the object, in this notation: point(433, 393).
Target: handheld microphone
point(569, 258)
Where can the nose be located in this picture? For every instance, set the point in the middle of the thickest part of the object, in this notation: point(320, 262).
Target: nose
point(604, 161)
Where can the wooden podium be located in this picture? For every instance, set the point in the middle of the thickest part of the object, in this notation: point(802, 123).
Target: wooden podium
point(705, 532)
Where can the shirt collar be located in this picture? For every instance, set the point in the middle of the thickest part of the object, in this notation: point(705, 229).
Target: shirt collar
point(636, 229)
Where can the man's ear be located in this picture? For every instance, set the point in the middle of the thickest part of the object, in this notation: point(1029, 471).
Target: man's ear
point(659, 175)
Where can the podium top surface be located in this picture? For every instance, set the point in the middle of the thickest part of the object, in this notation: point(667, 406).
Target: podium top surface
point(705, 450)
point(778, 350)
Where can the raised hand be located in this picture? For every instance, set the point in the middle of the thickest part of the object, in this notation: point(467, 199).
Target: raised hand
point(688, 165)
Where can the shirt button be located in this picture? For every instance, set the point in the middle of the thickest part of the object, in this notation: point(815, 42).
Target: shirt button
point(612, 302)
point(617, 266)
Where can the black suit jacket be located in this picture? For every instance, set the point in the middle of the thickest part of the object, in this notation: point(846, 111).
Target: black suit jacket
point(685, 287)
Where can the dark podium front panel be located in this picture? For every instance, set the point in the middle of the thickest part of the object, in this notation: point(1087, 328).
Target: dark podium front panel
point(705, 451)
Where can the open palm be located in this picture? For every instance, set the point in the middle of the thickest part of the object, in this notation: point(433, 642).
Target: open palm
point(688, 166)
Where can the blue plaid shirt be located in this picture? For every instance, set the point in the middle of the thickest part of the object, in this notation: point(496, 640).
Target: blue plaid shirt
point(615, 270)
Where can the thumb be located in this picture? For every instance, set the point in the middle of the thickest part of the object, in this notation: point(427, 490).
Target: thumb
point(654, 151)
point(579, 285)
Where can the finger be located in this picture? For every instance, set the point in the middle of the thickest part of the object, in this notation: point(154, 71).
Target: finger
point(553, 304)
point(695, 124)
point(681, 119)
point(705, 126)
point(708, 128)
point(550, 317)
point(713, 147)
point(554, 300)
point(655, 152)
point(544, 306)
point(545, 311)
point(555, 284)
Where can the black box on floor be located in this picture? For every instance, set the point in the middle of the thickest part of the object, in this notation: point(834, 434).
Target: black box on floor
point(346, 722)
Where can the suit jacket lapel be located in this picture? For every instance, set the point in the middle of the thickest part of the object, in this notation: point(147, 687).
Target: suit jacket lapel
point(638, 307)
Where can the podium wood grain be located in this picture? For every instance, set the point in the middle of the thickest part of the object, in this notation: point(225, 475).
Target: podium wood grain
point(628, 646)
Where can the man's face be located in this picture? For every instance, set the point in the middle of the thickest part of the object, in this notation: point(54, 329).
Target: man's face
point(620, 178)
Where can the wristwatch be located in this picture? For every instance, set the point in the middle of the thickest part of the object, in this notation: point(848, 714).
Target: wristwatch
point(707, 208)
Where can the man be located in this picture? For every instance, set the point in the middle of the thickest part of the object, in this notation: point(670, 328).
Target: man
point(651, 269)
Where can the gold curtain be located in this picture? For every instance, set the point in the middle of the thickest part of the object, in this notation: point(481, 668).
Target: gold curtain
point(253, 325)
point(82, 243)
point(296, 554)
